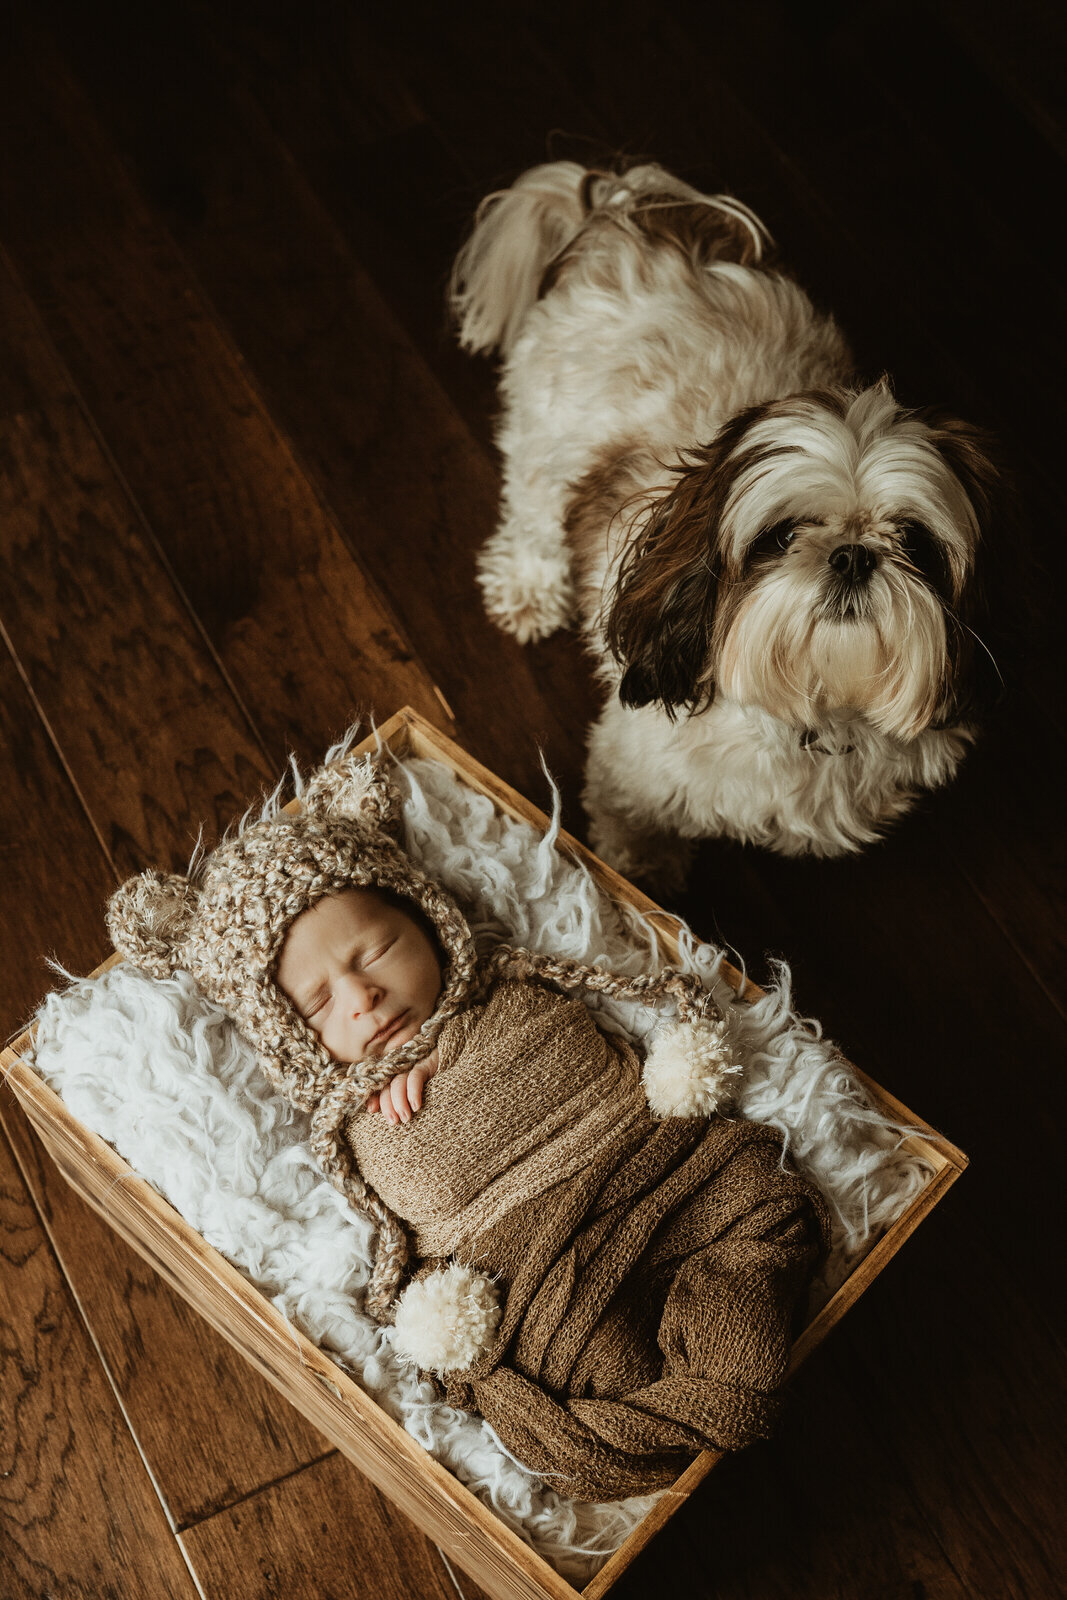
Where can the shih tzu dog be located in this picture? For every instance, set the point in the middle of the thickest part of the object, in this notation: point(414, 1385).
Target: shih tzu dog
point(780, 573)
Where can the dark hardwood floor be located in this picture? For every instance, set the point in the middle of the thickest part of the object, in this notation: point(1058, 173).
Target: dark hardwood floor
point(243, 476)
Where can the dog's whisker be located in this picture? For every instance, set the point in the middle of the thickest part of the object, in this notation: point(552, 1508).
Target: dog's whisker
point(980, 641)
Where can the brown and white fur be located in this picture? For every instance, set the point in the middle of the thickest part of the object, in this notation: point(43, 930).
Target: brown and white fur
point(776, 570)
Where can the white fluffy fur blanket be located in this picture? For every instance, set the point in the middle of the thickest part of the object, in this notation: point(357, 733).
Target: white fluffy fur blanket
point(161, 1075)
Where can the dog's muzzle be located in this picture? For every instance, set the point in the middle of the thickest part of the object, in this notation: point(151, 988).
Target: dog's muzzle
point(854, 563)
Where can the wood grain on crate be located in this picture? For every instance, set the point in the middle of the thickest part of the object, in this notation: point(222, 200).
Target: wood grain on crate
point(438, 1503)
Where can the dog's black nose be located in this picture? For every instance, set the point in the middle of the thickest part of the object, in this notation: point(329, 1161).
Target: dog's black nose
point(853, 561)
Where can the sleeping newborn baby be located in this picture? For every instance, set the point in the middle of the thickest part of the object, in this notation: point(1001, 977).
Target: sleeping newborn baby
point(592, 1258)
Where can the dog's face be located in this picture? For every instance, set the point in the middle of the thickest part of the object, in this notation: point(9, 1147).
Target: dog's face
point(819, 558)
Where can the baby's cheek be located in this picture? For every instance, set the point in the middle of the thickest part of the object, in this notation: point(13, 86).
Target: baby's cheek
point(333, 1041)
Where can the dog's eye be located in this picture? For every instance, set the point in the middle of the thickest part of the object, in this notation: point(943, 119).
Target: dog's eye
point(772, 541)
point(924, 552)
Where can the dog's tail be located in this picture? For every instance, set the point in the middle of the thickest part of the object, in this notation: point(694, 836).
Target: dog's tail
point(517, 232)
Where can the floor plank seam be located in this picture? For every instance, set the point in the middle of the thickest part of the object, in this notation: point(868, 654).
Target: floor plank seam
point(451, 1573)
point(86, 1323)
point(143, 523)
point(51, 736)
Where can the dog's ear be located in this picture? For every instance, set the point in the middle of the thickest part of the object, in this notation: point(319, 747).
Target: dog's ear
point(659, 614)
point(970, 452)
point(659, 617)
point(986, 620)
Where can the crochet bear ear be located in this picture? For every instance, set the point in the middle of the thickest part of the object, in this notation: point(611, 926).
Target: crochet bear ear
point(357, 788)
point(148, 918)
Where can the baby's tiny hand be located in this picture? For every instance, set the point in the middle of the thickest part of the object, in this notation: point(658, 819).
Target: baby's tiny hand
point(402, 1095)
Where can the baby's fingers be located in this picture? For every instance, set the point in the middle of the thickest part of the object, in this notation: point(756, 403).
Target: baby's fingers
point(416, 1078)
point(398, 1096)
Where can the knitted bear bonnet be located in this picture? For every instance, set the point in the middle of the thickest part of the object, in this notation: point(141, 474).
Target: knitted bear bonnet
point(226, 924)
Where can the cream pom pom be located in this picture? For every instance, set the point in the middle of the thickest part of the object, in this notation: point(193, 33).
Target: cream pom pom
point(447, 1319)
point(688, 1071)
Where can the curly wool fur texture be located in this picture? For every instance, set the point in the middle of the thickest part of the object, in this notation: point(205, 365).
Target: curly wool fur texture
point(160, 1073)
point(447, 1319)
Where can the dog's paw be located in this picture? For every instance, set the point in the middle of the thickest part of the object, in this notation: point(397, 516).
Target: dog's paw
point(527, 594)
point(658, 861)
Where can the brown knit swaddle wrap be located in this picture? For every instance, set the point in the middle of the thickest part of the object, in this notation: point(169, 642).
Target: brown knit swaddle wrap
point(649, 1271)
point(528, 1091)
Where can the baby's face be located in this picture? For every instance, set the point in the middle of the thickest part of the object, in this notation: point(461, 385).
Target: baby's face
point(362, 973)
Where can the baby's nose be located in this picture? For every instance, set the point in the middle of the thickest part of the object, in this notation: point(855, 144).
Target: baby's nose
point(361, 994)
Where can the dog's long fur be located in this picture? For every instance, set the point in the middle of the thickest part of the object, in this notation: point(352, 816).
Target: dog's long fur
point(777, 570)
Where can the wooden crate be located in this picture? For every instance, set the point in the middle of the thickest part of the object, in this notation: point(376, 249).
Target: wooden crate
point(469, 1533)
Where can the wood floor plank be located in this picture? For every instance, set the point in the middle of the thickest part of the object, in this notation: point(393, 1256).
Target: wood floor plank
point(983, 140)
point(79, 1519)
point(397, 193)
point(976, 1390)
point(55, 871)
point(490, 71)
point(914, 980)
point(287, 608)
point(412, 201)
point(1017, 872)
point(822, 1510)
point(1024, 52)
point(416, 495)
point(913, 186)
point(213, 1430)
point(322, 1534)
point(146, 721)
